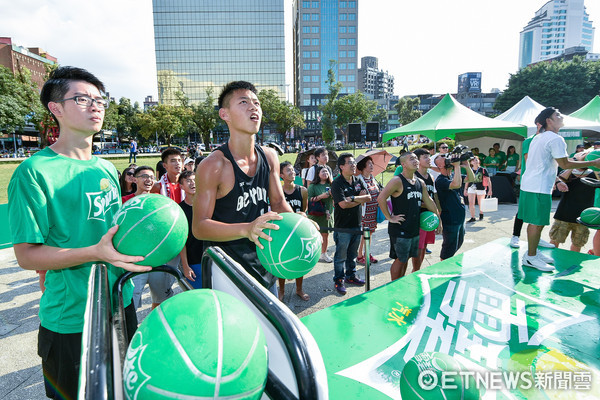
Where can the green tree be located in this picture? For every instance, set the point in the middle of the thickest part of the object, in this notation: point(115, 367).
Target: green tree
point(381, 116)
point(567, 85)
point(270, 105)
point(205, 116)
point(328, 107)
point(353, 108)
point(408, 110)
point(288, 117)
point(164, 120)
point(19, 100)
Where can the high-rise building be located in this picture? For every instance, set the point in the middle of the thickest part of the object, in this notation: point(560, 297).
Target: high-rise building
point(34, 59)
point(558, 25)
point(324, 31)
point(205, 44)
point(375, 83)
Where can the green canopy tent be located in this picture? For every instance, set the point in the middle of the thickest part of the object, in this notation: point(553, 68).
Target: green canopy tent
point(591, 111)
point(451, 119)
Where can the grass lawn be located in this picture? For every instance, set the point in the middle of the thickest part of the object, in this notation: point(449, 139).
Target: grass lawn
point(8, 167)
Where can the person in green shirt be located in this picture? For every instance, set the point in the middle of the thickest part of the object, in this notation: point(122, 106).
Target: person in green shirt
point(501, 156)
point(61, 205)
point(512, 160)
point(492, 162)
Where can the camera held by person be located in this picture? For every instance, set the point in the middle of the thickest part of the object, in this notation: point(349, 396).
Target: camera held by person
point(459, 153)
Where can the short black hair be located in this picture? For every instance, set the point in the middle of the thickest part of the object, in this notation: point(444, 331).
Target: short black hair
point(141, 168)
point(342, 160)
point(169, 151)
point(232, 87)
point(544, 115)
point(319, 151)
point(363, 163)
point(184, 175)
point(57, 85)
point(498, 144)
point(283, 165)
point(317, 178)
point(421, 152)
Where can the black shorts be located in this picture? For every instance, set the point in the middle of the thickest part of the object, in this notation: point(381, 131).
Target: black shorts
point(61, 356)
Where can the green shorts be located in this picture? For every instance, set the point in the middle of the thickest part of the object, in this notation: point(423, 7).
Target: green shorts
point(534, 208)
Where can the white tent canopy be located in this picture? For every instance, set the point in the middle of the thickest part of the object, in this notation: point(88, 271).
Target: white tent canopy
point(525, 111)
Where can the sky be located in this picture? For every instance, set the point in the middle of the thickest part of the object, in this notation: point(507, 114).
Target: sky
point(425, 44)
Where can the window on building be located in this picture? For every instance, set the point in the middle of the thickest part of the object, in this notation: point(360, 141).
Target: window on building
point(306, 29)
point(351, 78)
point(351, 66)
point(315, 67)
point(306, 102)
point(342, 65)
point(351, 42)
point(351, 53)
point(314, 54)
point(342, 42)
point(342, 29)
point(314, 17)
point(314, 29)
point(343, 4)
point(306, 54)
point(351, 29)
point(306, 90)
point(315, 78)
point(342, 17)
point(306, 4)
point(306, 42)
point(305, 17)
point(315, 4)
point(314, 90)
point(342, 54)
point(351, 4)
point(351, 90)
point(306, 67)
point(315, 42)
point(306, 78)
point(352, 17)
point(342, 78)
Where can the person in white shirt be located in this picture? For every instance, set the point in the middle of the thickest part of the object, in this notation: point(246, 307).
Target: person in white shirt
point(547, 151)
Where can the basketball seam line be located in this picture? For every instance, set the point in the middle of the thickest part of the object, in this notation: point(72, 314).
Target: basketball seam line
point(219, 344)
point(247, 360)
point(140, 221)
point(180, 350)
point(165, 237)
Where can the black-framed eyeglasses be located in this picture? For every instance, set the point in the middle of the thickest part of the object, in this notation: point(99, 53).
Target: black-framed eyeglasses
point(443, 147)
point(87, 101)
point(350, 162)
point(146, 177)
point(129, 173)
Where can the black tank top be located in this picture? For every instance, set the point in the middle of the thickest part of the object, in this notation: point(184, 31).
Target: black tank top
point(294, 199)
point(247, 200)
point(429, 185)
point(409, 204)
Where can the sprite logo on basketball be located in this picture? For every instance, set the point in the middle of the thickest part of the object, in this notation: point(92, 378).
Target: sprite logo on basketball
point(294, 249)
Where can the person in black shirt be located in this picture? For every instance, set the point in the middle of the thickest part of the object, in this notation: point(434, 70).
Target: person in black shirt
point(348, 193)
point(453, 209)
point(191, 254)
point(407, 193)
point(234, 183)
point(297, 197)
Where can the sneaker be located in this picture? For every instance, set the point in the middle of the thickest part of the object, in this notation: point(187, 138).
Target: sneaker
point(545, 244)
point(545, 258)
point(472, 220)
point(325, 258)
point(536, 262)
point(361, 261)
point(373, 259)
point(339, 286)
point(427, 251)
point(514, 242)
point(355, 281)
point(480, 217)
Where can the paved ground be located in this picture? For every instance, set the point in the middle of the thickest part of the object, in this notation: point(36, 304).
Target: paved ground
point(20, 370)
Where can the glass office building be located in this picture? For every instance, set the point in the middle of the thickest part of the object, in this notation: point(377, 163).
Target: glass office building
point(324, 30)
point(204, 44)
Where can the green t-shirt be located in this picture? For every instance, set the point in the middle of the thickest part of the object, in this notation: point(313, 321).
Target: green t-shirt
point(512, 160)
point(67, 203)
point(525, 148)
point(491, 161)
point(501, 156)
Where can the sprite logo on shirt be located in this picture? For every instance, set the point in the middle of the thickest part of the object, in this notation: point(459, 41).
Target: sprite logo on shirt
point(102, 201)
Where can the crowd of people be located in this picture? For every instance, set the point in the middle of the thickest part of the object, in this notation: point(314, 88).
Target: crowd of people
point(232, 196)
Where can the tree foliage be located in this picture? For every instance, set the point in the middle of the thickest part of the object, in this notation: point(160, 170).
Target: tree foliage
point(19, 100)
point(567, 85)
point(282, 115)
point(166, 121)
point(205, 116)
point(408, 110)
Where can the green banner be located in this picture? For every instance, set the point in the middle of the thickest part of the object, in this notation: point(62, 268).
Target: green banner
point(517, 333)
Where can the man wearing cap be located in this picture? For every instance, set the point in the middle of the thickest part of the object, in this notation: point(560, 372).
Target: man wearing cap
point(597, 145)
point(547, 151)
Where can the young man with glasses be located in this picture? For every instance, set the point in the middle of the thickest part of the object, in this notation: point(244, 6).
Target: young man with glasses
point(348, 192)
point(61, 206)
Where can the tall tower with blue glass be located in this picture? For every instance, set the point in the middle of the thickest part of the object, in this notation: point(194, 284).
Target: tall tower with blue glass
point(205, 44)
point(325, 35)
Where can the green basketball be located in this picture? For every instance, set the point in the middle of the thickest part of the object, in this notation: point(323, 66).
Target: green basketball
point(422, 378)
point(429, 221)
point(199, 344)
point(591, 216)
point(295, 248)
point(153, 226)
point(593, 156)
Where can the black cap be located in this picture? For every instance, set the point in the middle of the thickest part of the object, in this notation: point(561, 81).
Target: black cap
point(597, 143)
point(580, 146)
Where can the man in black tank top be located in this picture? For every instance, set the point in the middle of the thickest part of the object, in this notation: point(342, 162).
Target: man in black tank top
point(407, 193)
point(297, 197)
point(425, 237)
point(236, 183)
